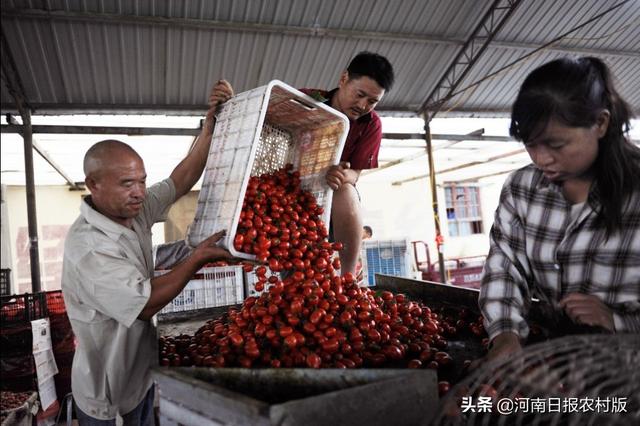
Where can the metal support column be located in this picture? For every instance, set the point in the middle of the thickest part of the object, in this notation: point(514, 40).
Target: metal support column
point(32, 219)
point(434, 197)
point(14, 85)
point(490, 24)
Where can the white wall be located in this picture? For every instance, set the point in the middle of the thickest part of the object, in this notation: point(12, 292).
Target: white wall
point(56, 209)
point(6, 247)
point(397, 211)
point(404, 211)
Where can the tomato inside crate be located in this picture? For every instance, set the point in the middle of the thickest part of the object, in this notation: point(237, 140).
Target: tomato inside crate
point(258, 132)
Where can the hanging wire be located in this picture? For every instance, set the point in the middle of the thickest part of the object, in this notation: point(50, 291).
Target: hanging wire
point(624, 27)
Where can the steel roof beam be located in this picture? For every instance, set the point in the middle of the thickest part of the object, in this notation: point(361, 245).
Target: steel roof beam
point(285, 30)
point(44, 154)
point(461, 166)
point(476, 178)
point(490, 24)
point(177, 131)
point(417, 155)
point(143, 109)
point(450, 137)
point(547, 45)
point(395, 162)
point(475, 163)
point(171, 131)
point(103, 130)
point(112, 18)
point(17, 128)
point(175, 109)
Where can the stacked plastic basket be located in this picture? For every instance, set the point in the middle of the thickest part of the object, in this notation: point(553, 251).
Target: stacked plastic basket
point(211, 287)
point(389, 257)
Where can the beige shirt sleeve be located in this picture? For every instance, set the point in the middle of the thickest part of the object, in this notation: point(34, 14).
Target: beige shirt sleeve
point(159, 199)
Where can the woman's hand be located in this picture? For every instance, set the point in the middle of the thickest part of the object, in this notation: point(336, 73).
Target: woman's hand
point(587, 309)
point(502, 346)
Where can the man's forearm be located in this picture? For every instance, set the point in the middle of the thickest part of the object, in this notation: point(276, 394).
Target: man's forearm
point(197, 157)
point(166, 287)
point(187, 173)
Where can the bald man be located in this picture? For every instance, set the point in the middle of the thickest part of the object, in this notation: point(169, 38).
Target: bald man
point(107, 278)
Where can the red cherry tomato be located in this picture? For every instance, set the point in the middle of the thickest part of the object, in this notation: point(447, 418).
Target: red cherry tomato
point(443, 388)
point(313, 360)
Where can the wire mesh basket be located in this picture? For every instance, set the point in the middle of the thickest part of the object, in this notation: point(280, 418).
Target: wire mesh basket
point(260, 131)
point(23, 414)
point(573, 380)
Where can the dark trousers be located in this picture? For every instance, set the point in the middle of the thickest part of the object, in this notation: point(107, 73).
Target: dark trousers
point(142, 415)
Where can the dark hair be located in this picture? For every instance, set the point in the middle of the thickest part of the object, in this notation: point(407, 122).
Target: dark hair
point(372, 65)
point(368, 230)
point(574, 92)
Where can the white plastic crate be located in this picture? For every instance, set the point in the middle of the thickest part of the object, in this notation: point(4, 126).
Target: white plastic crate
point(390, 257)
point(220, 286)
point(260, 131)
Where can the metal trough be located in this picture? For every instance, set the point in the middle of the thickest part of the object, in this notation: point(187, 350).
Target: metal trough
point(236, 396)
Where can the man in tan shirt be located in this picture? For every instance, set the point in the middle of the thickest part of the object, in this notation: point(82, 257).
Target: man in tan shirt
point(107, 280)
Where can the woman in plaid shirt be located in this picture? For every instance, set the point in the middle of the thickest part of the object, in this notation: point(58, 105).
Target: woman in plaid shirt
point(567, 229)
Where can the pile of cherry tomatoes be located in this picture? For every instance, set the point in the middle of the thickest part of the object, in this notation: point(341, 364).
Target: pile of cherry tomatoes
point(11, 400)
point(308, 315)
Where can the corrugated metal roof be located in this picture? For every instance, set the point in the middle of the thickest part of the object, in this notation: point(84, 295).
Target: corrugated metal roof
point(614, 38)
point(101, 55)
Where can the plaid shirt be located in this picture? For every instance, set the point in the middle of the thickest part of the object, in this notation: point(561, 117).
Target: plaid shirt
point(537, 245)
